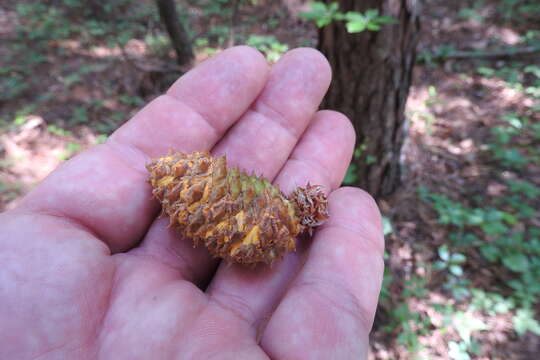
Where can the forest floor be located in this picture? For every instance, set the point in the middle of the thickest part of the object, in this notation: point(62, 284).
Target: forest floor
point(463, 231)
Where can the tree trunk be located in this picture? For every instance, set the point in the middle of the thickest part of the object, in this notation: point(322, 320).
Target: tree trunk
point(372, 75)
point(175, 29)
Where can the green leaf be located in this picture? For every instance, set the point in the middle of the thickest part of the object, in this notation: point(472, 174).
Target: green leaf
point(503, 307)
point(494, 228)
point(355, 27)
point(323, 21)
point(458, 351)
point(456, 270)
point(458, 258)
point(516, 262)
point(509, 218)
point(321, 13)
point(476, 217)
point(511, 157)
point(371, 13)
point(444, 254)
point(351, 176)
point(317, 9)
point(386, 20)
point(489, 72)
point(387, 225)
point(333, 7)
point(439, 265)
point(370, 159)
point(524, 321)
point(466, 324)
point(513, 119)
point(373, 27)
point(527, 188)
point(356, 22)
point(490, 252)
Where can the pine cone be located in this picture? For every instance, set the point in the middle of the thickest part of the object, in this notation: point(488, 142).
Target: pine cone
point(239, 218)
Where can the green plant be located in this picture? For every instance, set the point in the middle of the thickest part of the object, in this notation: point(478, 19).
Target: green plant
point(79, 116)
point(108, 127)
point(466, 323)
point(388, 278)
point(351, 176)
point(499, 236)
point(426, 115)
point(472, 13)
point(10, 191)
point(58, 131)
point(524, 321)
point(321, 13)
point(459, 287)
point(158, 44)
point(100, 139)
point(21, 115)
point(352, 171)
point(387, 226)
point(519, 76)
point(450, 261)
point(71, 79)
point(519, 10)
point(268, 45)
point(219, 33)
point(370, 20)
point(458, 351)
point(131, 100)
point(12, 86)
point(65, 19)
point(415, 287)
point(355, 22)
point(409, 324)
point(490, 303)
point(510, 157)
point(215, 7)
point(69, 150)
point(505, 245)
point(430, 57)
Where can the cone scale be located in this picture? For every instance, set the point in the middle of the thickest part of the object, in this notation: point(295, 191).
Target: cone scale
point(238, 217)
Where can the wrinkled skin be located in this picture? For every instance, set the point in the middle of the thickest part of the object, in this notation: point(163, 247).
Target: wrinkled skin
point(88, 270)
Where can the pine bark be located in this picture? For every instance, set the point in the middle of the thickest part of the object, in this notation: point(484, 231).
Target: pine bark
point(177, 33)
point(372, 76)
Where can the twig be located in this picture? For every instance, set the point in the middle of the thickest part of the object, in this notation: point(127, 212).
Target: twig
point(233, 22)
point(177, 33)
point(500, 54)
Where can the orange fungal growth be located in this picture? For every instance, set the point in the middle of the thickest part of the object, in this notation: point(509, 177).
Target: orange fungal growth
point(240, 218)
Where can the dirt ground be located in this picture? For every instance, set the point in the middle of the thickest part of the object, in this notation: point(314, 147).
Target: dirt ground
point(451, 110)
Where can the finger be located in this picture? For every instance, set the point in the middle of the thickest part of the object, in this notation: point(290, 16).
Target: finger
point(263, 138)
point(323, 154)
point(331, 304)
point(200, 106)
point(321, 157)
point(104, 189)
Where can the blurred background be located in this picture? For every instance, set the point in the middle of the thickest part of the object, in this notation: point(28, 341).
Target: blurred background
point(444, 97)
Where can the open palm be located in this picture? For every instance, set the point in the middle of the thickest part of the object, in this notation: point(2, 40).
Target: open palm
point(88, 271)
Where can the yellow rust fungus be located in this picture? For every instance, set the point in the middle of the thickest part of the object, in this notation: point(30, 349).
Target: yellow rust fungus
point(237, 217)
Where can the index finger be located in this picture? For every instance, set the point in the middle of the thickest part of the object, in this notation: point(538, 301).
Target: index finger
point(331, 304)
point(105, 190)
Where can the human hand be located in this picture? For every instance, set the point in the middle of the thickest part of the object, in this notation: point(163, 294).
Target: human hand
point(87, 270)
